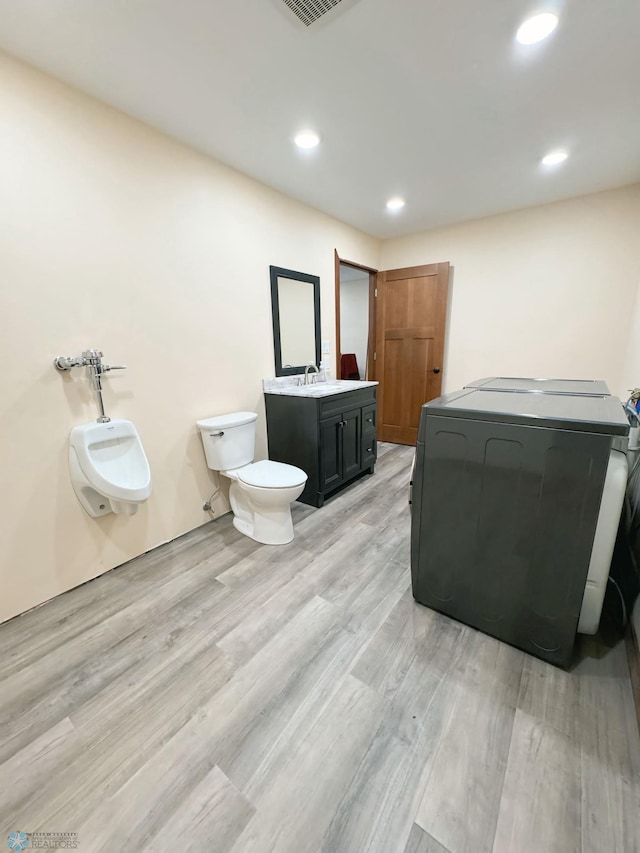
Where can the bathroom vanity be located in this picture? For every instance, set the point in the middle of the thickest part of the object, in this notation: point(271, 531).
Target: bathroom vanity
point(328, 430)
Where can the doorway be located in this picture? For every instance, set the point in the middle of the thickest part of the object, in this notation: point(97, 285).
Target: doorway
point(355, 320)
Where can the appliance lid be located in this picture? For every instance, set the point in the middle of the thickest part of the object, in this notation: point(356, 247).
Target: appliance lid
point(592, 387)
point(227, 421)
point(271, 475)
point(602, 414)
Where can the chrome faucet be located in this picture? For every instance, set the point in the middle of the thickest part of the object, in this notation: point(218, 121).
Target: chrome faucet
point(306, 372)
point(91, 358)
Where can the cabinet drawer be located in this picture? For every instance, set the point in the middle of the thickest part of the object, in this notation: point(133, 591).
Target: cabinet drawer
point(369, 451)
point(369, 420)
point(338, 403)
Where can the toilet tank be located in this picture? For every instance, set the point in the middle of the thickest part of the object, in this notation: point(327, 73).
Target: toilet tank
point(229, 440)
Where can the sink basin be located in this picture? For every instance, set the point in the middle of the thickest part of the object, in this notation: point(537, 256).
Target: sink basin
point(323, 388)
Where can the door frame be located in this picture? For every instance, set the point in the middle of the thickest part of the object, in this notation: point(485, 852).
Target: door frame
point(371, 348)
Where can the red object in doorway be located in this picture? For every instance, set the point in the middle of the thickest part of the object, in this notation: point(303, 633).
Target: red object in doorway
point(349, 366)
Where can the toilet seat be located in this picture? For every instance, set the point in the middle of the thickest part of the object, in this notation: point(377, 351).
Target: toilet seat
point(268, 474)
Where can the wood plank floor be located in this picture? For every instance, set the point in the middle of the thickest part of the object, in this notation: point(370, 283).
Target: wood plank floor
point(219, 695)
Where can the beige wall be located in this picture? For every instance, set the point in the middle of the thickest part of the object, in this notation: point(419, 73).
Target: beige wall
point(113, 236)
point(547, 291)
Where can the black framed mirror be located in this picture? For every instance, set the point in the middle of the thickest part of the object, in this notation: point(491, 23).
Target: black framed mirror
point(295, 306)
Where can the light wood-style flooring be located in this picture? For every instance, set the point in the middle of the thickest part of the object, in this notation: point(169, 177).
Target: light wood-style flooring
point(217, 695)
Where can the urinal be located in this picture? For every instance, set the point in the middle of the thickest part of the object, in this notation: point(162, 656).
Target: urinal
point(109, 468)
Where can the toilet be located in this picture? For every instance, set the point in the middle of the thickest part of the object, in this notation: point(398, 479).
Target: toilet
point(109, 468)
point(261, 492)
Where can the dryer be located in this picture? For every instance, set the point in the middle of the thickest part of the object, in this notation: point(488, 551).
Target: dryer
point(515, 508)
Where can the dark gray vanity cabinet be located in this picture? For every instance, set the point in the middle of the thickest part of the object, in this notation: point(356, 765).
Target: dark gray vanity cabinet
point(332, 438)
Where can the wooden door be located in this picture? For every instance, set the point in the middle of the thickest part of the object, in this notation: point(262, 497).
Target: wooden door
point(411, 319)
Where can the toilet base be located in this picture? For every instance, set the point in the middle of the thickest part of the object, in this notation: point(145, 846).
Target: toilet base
point(268, 525)
point(265, 534)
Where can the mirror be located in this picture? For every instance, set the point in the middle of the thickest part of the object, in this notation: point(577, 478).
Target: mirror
point(295, 304)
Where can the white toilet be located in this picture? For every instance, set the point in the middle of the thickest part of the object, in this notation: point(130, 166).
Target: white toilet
point(109, 468)
point(261, 492)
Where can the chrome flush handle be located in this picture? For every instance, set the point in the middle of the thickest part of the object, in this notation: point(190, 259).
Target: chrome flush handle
point(92, 359)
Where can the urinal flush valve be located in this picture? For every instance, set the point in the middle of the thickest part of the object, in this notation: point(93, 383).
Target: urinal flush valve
point(91, 358)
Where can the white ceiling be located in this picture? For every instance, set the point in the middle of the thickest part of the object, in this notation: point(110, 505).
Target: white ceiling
point(428, 99)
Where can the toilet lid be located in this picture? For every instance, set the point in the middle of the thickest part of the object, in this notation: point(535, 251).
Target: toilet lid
point(271, 475)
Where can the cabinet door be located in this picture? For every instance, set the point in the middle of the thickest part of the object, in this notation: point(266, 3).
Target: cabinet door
point(330, 452)
point(351, 442)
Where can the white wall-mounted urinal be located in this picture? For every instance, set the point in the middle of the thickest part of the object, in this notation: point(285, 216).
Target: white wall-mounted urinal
point(109, 468)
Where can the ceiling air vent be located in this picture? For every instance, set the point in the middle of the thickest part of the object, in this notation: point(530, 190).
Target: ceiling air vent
point(310, 10)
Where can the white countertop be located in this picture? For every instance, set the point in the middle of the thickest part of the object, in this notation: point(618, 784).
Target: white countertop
point(321, 389)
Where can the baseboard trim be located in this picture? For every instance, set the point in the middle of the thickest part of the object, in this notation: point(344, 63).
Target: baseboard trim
point(633, 654)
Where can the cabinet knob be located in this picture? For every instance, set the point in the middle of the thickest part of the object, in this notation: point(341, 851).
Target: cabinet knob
point(436, 370)
point(369, 449)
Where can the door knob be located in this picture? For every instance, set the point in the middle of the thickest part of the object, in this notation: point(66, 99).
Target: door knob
point(436, 370)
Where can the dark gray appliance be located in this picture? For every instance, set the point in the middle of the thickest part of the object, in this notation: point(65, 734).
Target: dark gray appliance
point(506, 498)
point(590, 387)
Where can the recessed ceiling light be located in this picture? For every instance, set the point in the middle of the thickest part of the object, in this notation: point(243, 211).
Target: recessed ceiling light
point(554, 158)
point(395, 204)
point(537, 28)
point(307, 139)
